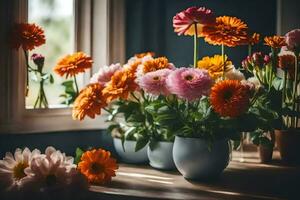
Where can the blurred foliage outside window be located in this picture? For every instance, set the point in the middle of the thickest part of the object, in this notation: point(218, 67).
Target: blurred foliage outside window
point(56, 17)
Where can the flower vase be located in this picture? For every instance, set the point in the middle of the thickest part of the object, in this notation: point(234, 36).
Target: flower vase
point(128, 153)
point(194, 160)
point(161, 156)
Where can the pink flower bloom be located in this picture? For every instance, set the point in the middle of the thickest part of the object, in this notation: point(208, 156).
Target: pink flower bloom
point(293, 40)
point(183, 22)
point(155, 82)
point(105, 73)
point(189, 83)
point(38, 59)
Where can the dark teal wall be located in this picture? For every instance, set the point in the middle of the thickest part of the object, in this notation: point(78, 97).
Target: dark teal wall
point(64, 141)
point(149, 26)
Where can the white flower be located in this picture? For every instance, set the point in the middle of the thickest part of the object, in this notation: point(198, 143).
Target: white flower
point(235, 74)
point(255, 82)
point(105, 73)
point(12, 167)
point(51, 169)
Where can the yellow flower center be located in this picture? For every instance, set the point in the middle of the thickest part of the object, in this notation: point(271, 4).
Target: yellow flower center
point(96, 168)
point(19, 170)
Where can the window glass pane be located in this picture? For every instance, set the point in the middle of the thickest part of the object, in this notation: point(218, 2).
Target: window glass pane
point(56, 17)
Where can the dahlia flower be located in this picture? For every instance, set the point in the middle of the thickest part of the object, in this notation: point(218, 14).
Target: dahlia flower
point(52, 169)
point(98, 166)
point(73, 64)
point(12, 167)
point(105, 73)
point(189, 83)
point(89, 102)
point(27, 36)
point(292, 39)
point(214, 65)
point(228, 31)
point(185, 21)
point(234, 74)
point(275, 41)
point(230, 98)
point(155, 82)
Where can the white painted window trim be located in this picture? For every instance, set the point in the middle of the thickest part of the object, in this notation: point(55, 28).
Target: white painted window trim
point(99, 32)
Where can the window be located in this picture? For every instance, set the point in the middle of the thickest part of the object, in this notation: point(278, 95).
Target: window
point(93, 21)
point(57, 18)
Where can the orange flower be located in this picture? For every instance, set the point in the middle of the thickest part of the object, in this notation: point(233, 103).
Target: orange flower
point(141, 55)
point(73, 64)
point(155, 64)
point(121, 84)
point(228, 31)
point(287, 63)
point(254, 39)
point(89, 102)
point(98, 166)
point(27, 36)
point(275, 41)
point(214, 65)
point(230, 98)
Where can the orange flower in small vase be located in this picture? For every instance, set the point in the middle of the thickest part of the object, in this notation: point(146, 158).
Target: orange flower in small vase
point(228, 31)
point(73, 64)
point(120, 86)
point(230, 98)
point(89, 102)
point(275, 41)
point(98, 166)
point(27, 36)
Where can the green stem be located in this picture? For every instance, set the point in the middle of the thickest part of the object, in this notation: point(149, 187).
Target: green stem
point(249, 50)
point(284, 91)
point(295, 88)
point(76, 85)
point(223, 57)
point(195, 46)
point(27, 72)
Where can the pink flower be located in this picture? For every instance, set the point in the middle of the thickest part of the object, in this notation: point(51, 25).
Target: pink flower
point(292, 39)
point(105, 73)
point(38, 59)
point(155, 82)
point(189, 83)
point(183, 22)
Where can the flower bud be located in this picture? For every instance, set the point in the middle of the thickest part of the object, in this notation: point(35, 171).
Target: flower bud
point(38, 59)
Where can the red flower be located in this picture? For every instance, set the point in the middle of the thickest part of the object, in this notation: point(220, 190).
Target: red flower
point(27, 36)
point(183, 22)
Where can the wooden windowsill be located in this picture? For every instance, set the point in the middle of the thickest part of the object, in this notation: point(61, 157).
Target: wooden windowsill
point(241, 180)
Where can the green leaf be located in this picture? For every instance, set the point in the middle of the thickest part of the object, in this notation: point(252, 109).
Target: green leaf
point(51, 79)
point(152, 144)
point(78, 155)
point(141, 143)
point(266, 142)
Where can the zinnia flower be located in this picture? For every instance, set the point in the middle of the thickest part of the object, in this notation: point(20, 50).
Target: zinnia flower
point(121, 84)
point(12, 167)
point(253, 39)
point(142, 55)
point(214, 65)
point(105, 73)
point(293, 40)
point(275, 41)
point(27, 36)
point(230, 98)
point(189, 83)
point(52, 169)
point(73, 64)
point(184, 22)
point(228, 31)
point(98, 166)
point(286, 62)
point(155, 82)
point(89, 102)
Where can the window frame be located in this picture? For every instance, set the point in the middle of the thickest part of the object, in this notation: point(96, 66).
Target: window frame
point(91, 18)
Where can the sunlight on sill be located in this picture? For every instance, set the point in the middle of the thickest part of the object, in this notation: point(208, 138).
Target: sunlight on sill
point(137, 175)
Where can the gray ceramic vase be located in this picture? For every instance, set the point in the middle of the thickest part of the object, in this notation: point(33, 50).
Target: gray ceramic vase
point(194, 161)
point(161, 156)
point(129, 155)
